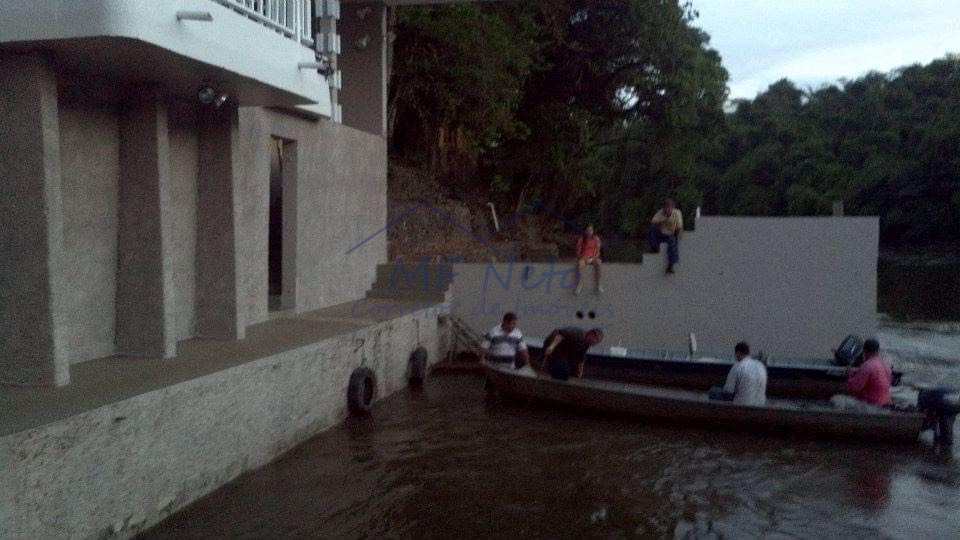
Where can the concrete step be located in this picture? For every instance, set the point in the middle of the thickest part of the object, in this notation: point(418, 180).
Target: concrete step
point(391, 294)
point(413, 282)
point(411, 287)
point(400, 282)
point(415, 272)
point(414, 266)
point(432, 277)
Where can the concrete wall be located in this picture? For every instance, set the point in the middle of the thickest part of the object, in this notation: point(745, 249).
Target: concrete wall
point(90, 145)
point(791, 287)
point(32, 273)
point(340, 199)
point(219, 234)
point(184, 158)
point(363, 60)
point(145, 324)
point(120, 468)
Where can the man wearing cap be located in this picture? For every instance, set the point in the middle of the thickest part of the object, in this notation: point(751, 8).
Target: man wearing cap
point(565, 351)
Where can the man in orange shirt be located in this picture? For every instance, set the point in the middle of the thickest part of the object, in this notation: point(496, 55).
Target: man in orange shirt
point(588, 254)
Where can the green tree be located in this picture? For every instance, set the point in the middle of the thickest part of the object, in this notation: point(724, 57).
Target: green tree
point(884, 144)
point(618, 111)
point(456, 84)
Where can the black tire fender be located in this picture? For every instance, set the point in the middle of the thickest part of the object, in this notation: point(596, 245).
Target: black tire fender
point(361, 391)
point(418, 365)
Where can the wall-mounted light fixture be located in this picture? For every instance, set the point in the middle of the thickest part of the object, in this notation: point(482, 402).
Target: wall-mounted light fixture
point(202, 16)
point(209, 96)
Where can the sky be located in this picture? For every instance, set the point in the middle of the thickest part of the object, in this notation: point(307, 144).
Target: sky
point(813, 42)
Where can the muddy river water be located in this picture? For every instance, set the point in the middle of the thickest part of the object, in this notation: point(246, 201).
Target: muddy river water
point(445, 463)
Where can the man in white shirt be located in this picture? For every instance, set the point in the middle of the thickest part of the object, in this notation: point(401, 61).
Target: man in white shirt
point(504, 343)
point(747, 381)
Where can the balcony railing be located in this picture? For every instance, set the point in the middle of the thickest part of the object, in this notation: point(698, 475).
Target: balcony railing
point(291, 18)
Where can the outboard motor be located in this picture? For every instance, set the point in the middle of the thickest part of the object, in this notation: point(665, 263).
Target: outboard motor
point(941, 405)
point(850, 351)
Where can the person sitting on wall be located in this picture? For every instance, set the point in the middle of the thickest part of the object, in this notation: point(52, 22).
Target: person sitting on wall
point(588, 254)
point(746, 382)
point(870, 383)
point(565, 351)
point(667, 226)
point(504, 344)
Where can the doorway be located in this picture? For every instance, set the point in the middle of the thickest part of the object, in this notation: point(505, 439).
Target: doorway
point(283, 170)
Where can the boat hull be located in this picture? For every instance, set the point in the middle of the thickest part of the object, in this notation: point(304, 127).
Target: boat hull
point(796, 381)
point(801, 418)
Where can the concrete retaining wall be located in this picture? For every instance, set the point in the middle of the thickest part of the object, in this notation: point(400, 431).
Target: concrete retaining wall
point(793, 287)
point(120, 468)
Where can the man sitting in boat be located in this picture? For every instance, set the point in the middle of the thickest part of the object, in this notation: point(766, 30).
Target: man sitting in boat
point(870, 383)
point(565, 351)
point(747, 381)
point(504, 343)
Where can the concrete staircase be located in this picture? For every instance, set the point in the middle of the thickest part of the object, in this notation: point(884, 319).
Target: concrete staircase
point(415, 282)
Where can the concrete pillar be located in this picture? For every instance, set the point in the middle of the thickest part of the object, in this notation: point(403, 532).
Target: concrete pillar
point(145, 310)
point(363, 61)
point(32, 341)
point(218, 204)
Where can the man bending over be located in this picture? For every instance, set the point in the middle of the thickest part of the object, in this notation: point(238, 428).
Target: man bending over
point(565, 351)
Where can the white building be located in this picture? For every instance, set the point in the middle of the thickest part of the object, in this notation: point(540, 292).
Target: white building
point(137, 163)
point(183, 181)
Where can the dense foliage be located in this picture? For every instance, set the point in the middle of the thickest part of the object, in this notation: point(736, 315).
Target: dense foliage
point(884, 144)
point(593, 110)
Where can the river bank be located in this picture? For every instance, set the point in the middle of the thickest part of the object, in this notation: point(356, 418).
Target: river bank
point(446, 462)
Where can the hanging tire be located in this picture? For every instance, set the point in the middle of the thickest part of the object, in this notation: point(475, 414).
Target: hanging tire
point(418, 366)
point(361, 391)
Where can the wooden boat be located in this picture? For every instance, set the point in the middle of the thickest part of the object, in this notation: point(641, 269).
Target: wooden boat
point(809, 380)
point(800, 417)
